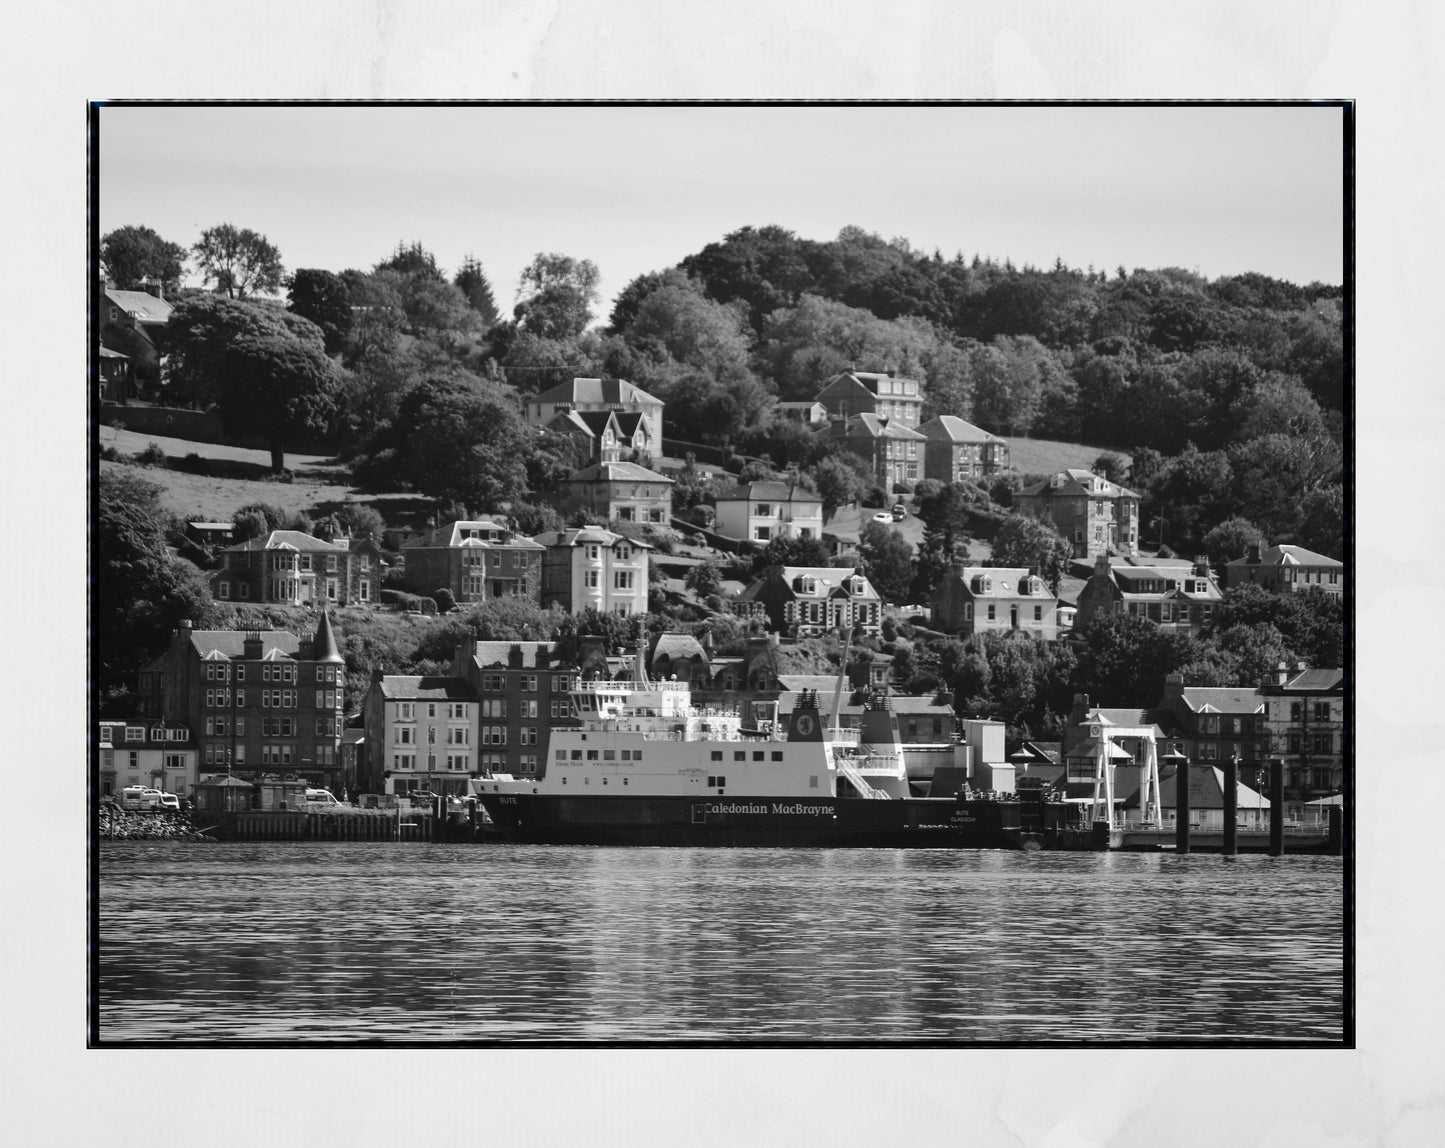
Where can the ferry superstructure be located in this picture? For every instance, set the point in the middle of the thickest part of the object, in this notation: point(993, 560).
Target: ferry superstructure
point(647, 767)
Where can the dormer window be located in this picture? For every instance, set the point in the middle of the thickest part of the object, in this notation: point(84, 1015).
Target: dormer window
point(982, 584)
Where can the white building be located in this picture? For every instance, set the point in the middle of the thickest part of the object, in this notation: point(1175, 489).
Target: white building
point(593, 567)
point(762, 511)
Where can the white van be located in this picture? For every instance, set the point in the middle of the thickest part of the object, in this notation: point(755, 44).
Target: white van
point(144, 797)
point(321, 799)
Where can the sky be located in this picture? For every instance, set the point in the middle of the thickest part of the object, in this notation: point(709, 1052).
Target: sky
point(1218, 190)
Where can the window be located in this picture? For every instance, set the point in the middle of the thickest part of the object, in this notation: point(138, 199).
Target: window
point(240, 673)
point(1322, 711)
point(494, 707)
point(717, 782)
point(365, 591)
point(622, 580)
point(225, 588)
point(1038, 613)
point(991, 611)
point(622, 553)
point(457, 711)
point(405, 735)
point(458, 735)
point(1322, 743)
point(529, 735)
point(529, 708)
point(716, 756)
point(1295, 711)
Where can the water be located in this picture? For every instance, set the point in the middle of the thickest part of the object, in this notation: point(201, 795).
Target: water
point(301, 942)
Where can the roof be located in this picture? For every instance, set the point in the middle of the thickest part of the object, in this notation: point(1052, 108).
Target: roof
point(1206, 790)
point(1077, 482)
point(232, 643)
point(950, 428)
point(292, 540)
point(1319, 679)
point(677, 646)
point(869, 380)
point(107, 353)
point(1222, 700)
point(410, 687)
point(1006, 579)
point(618, 472)
point(534, 654)
point(587, 534)
point(325, 641)
point(769, 492)
point(142, 304)
point(1287, 555)
point(455, 536)
point(596, 391)
point(871, 426)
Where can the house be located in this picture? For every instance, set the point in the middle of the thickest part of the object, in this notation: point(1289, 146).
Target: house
point(1096, 515)
point(211, 533)
point(608, 436)
point(258, 703)
point(878, 393)
point(807, 601)
point(596, 395)
point(421, 735)
point(592, 567)
point(892, 450)
point(476, 560)
point(1178, 598)
point(958, 450)
point(129, 322)
point(1206, 799)
point(117, 381)
point(298, 569)
point(1286, 569)
point(160, 754)
point(1304, 725)
point(978, 599)
point(762, 511)
point(810, 414)
point(523, 691)
point(1216, 723)
point(619, 492)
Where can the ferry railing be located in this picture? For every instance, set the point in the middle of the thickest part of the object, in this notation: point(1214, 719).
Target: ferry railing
point(632, 687)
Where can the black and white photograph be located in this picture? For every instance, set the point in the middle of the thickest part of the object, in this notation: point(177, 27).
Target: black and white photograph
point(610, 574)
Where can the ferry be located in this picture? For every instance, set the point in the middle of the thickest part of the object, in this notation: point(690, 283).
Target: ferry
point(647, 767)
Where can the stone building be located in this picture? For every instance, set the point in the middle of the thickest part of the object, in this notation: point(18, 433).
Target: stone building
point(477, 560)
point(1096, 515)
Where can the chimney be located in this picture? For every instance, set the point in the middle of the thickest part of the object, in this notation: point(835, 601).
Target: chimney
point(1253, 556)
point(514, 657)
point(1101, 566)
point(1174, 685)
point(251, 647)
point(153, 287)
point(1281, 674)
point(1201, 566)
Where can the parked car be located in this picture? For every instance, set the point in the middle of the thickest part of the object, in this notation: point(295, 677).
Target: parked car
point(900, 512)
point(883, 516)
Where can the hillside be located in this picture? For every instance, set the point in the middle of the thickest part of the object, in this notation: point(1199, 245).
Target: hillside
point(1043, 456)
point(320, 484)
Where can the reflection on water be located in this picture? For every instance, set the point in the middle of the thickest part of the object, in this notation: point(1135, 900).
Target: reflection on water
point(362, 941)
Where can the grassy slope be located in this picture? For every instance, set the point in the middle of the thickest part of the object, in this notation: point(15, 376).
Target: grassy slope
point(320, 483)
point(1043, 456)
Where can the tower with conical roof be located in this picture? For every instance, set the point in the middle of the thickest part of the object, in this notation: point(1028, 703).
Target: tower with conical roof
point(324, 646)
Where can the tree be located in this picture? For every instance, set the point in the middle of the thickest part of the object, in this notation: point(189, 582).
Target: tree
point(202, 329)
point(1123, 659)
point(841, 479)
point(887, 560)
point(704, 578)
point(139, 593)
point(472, 282)
point(322, 297)
point(458, 437)
point(239, 261)
point(412, 259)
point(361, 520)
point(131, 255)
point(1322, 521)
point(1231, 539)
point(1023, 540)
point(555, 295)
point(785, 550)
point(277, 388)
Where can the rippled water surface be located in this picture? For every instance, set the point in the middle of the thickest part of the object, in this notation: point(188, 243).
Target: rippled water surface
point(415, 943)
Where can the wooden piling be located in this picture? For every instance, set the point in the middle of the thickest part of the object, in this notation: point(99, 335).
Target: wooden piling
point(1337, 830)
point(1231, 805)
point(1181, 807)
point(1276, 807)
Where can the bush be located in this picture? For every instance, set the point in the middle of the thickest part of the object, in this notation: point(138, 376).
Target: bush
point(411, 603)
point(152, 456)
point(194, 464)
point(444, 600)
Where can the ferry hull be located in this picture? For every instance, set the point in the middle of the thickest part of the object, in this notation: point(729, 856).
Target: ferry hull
point(926, 823)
